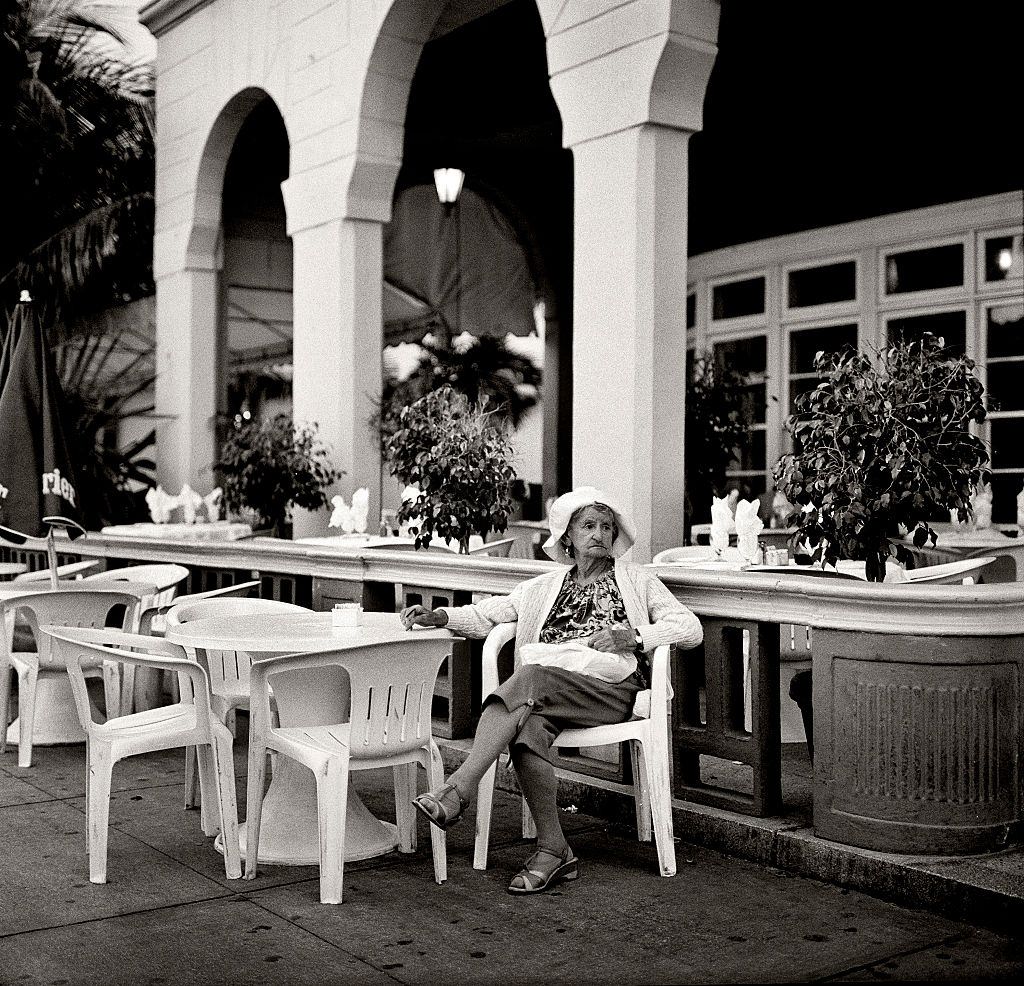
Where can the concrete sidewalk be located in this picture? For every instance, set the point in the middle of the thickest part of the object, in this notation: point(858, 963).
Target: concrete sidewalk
point(985, 889)
point(168, 915)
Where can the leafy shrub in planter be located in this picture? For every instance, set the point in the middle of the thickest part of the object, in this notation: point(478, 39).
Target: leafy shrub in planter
point(881, 447)
point(271, 466)
point(459, 456)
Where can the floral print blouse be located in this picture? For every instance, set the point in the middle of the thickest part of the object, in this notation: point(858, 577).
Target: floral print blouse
point(582, 610)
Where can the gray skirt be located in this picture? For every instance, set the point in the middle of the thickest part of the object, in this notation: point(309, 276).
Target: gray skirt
point(553, 699)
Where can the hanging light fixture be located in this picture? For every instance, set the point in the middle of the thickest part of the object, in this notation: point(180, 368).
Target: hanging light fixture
point(448, 182)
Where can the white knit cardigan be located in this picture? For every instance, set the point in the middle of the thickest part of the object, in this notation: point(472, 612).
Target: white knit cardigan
point(650, 607)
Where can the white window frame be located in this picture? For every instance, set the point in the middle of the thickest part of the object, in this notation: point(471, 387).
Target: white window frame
point(742, 322)
point(933, 295)
point(787, 376)
point(983, 363)
point(771, 426)
point(963, 303)
point(815, 313)
point(985, 286)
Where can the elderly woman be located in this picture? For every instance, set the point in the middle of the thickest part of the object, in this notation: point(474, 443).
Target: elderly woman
point(601, 616)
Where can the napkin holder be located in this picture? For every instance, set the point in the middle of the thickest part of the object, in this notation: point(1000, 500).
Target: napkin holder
point(346, 615)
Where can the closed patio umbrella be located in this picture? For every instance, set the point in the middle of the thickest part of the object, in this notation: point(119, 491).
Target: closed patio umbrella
point(38, 489)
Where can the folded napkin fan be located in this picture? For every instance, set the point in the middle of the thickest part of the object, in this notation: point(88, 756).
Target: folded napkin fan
point(748, 526)
point(352, 520)
point(722, 522)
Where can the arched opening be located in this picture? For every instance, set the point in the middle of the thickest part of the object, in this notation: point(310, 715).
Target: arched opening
point(255, 325)
point(499, 262)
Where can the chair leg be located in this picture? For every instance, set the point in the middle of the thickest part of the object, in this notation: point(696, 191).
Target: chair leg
point(484, 803)
point(438, 839)
point(5, 701)
point(655, 760)
point(207, 791)
point(641, 793)
point(529, 828)
point(101, 765)
point(254, 802)
point(332, 805)
point(26, 714)
point(224, 771)
point(127, 689)
point(405, 820)
point(112, 695)
point(192, 798)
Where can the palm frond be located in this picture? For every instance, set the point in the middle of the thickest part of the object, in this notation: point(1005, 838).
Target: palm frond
point(71, 259)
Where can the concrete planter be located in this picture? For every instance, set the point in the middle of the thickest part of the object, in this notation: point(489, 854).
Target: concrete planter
point(919, 744)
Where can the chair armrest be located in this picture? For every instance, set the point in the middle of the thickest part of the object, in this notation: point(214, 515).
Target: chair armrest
point(502, 634)
point(109, 645)
point(660, 694)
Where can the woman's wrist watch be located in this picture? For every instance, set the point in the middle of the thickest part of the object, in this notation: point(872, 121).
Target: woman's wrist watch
point(638, 649)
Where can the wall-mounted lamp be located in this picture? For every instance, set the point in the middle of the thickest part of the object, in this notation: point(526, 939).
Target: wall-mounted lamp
point(448, 182)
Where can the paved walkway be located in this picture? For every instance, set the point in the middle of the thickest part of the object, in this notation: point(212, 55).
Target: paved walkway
point(168, 915)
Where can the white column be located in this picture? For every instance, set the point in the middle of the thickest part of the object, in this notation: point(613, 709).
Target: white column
point(629, 325)
point(337, 351)
point(186, 378)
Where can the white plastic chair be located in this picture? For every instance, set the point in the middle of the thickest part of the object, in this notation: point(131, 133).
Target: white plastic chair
point(187, 723)
point(152, 618)
point(62, 607)
point(166, 577)
point(391, 689)
point(649, 750)
point(70, 570)
point(495, 549)
point(227, 671)
point(690, 552)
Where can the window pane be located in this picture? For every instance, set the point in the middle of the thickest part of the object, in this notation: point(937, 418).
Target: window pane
point(1007, 443)
point(1005, 330)
point(829, 338)
point(822, 285)
point(1005, 488)
point(738, 298)
point(1003, 258)
point(748, 486)
point(751, 453)
point(797, 387)
point(949, 326)
point(748, 357)
point(925, 270)
point(753, 403)
point(691, 310)
point(1005, 391)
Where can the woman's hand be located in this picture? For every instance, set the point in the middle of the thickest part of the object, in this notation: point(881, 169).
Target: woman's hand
point(420, 616)
point(616, 639)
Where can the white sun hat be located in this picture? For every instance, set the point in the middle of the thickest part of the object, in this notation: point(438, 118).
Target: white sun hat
point(561, 513)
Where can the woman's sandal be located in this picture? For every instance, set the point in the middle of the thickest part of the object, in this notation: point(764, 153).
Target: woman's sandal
point(536, 878)
point(431, 806)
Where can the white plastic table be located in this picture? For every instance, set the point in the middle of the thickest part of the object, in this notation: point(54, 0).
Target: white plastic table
point(289, 833)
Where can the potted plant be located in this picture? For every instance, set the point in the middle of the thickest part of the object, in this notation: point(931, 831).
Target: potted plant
point(459, 457)
point(881, 447)
point(268, 467)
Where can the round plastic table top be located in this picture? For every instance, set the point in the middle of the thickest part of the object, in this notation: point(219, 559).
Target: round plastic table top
point(281, 633)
